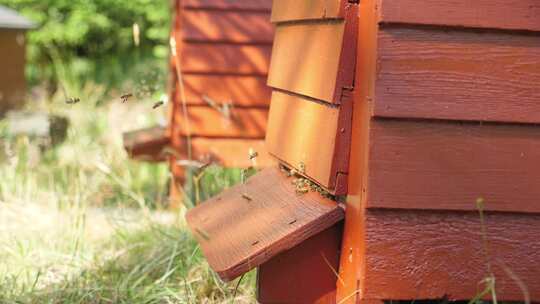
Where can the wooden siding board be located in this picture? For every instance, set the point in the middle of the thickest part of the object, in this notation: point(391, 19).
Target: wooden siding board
point(227, 152)
point(434, 165)
point(432, 254)
point(237, 235)
point(209, 58)
point(452, 74)
point(306, 58)
point(257, 5)
point(303, 274)
point(301, 131)
point(209, 122)
point(496, 14)
point(286, 10)
point(226, 27)
point(245, 91)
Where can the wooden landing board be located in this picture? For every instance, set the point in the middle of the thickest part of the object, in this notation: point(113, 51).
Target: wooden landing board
point(286, 10)
point(496, 14)
point(237, 90)
point(206, 121)
point(244, 5)
point(204, 58)
point(306, 58)
point(146, 144)
point(458, 75)
point(302, 132)
point(227, 152)
point(303, 274)
point(226, 27)
point(237, 234)
point(432, 254)
point(447, 165)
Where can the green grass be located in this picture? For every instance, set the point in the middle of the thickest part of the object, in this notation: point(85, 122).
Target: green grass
point(81, 223)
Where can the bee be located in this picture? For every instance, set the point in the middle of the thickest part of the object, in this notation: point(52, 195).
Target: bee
point(125, 97)
point(302, 168)
point(253, 154)
point(73, 100)
point(246, 197)
point(203, 234)
point(157, 104)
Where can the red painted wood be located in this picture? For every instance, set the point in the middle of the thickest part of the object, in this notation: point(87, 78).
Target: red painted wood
point(303, 274)
point(244, 91)
point(498, 14)
point(202, 58)
point(227, 27)
point(458, 75)
point(413, 255)
point(257, 5)
point(434, 165)
point(237, 234)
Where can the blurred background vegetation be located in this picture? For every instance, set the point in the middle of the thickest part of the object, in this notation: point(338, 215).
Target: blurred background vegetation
point(92, 41)
point(80, 222)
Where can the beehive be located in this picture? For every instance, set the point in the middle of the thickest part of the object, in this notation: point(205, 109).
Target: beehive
point(13, 29)
point(223, 51)
point(409, 112)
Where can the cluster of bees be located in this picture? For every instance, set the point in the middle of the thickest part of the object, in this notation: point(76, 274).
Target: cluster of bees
point(124, 98)
point(302, 184)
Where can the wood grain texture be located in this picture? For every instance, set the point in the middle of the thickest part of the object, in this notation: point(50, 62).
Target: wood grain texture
point(306, 58)
point(497, 14)
point(434, 165)
point(303, 274)
point(432, 254)
point(209, 122)
point(286, 10)
point(244, 91)
point(211, 58)
point(227, 27)
point(227, 152)
point(146, 144)
point(301, 131)
point(249, 5)
point(451, 74)
point(237, 234)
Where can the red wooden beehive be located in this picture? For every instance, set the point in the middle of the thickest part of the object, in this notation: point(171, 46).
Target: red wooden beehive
point(407, 112)
point(223, 49)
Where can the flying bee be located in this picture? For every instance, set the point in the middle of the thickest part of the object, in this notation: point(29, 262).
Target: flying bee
point(73, 100)
point(125, 97)
point(253, 154)
point(246, 197)
point(157, 104)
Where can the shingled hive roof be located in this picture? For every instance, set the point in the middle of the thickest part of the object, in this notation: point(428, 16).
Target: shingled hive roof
point(12, 20)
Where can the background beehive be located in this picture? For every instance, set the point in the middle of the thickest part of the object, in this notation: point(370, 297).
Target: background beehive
point(446, 112)
point(224, 51)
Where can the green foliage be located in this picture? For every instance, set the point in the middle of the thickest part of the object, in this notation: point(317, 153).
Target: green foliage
point(89, 35)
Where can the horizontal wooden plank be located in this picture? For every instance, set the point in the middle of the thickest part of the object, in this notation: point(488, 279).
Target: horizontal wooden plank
point(209, 122)
point(286, 10)
point(237, 233)
point(236, 90)
point(146, 144)
point(225, 58)
point(306, 58)
point(229, 152)
point(435, 255)
point(459, 75)
point(265, 5)
point(227, 26)
point(498, 14)
point(436, 165)
point(303, 133)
